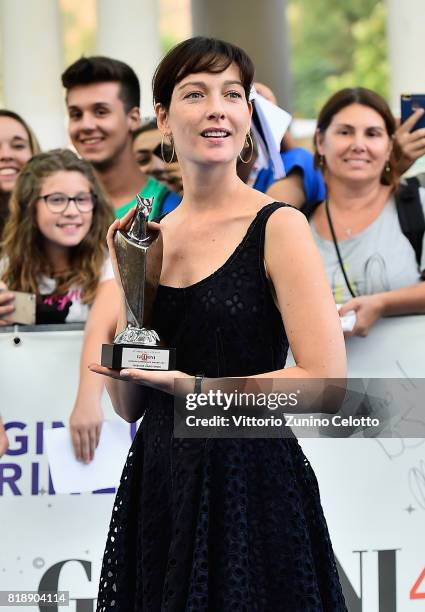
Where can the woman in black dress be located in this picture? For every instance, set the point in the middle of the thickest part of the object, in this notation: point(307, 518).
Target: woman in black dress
point(222, 524)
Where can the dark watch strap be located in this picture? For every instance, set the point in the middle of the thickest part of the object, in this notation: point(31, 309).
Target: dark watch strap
point(198, 382)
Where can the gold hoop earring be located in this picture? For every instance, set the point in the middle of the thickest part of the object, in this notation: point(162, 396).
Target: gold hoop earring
point(162, 150)
point(248, 142)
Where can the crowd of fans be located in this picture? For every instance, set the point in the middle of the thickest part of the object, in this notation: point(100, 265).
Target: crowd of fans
point(55, 208)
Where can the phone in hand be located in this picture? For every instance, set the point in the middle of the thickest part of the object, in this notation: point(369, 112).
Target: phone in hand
point(409, 103)
point(25, 305)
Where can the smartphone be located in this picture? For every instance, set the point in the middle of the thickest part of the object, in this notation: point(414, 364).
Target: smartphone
point(24, 313)
point(409, 103)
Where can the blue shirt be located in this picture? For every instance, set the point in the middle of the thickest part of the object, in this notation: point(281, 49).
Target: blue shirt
point(302, 160)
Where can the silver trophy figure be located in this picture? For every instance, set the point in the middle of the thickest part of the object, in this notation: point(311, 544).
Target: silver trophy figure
point(139, 258)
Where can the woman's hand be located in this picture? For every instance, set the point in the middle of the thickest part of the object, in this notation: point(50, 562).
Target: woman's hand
point(4, 441)
point(86, 424)
point(412, 143)
point(118, 224)
point(160, 380)
point(7, 299)
point(122, 224)
point(368, 309)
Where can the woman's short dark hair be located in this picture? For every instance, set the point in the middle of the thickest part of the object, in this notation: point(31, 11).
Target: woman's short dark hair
point(199, 54)
point(99, 69)
point(365, 97)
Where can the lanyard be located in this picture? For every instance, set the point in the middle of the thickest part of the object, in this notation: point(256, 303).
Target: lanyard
point(338, 252)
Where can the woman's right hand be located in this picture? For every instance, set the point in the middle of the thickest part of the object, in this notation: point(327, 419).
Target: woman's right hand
point(121, 224)
point(7, 299)
point(368, 309)
point(4, 442)
point(118, 224)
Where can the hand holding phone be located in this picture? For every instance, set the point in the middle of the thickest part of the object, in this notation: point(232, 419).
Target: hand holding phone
point(410, 134)
point(7, 306)
point(16, 307)
point(410, 103)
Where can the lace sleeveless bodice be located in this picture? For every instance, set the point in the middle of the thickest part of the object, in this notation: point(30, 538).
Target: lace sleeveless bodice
point(219, 525)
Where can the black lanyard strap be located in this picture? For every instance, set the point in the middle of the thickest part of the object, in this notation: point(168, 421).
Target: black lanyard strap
point(338, 252)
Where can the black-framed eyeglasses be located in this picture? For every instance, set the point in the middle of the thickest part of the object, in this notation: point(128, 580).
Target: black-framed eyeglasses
point(59, 202)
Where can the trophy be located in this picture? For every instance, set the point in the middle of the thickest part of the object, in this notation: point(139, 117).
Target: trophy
point(139, 258)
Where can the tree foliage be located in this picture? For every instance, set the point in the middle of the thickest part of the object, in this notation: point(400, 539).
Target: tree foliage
point(336, 44)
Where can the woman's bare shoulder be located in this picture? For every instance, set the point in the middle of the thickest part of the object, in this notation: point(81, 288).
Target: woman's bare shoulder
point(288, 232)
point(286, 218)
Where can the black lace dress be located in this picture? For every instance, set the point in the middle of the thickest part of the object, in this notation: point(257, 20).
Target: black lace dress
point(219, 525)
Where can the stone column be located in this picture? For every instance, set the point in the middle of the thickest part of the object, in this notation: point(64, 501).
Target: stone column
point(406, 48)
point(259, 28)
point(128, 30)
point(32, 65)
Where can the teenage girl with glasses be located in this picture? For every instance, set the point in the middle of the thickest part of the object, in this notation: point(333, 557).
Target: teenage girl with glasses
point(54, 247)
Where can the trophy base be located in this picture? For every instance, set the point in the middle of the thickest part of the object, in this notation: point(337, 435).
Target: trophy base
point(143, 357)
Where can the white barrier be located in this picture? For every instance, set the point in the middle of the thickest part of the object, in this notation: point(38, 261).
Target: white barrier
point(55, 541)
point(394, 348)
point(373, 491)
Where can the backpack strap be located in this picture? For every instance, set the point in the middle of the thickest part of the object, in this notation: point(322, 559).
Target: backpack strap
point(411, 214)
point(420, 179)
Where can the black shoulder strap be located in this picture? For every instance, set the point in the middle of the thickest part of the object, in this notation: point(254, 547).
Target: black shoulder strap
point(159, 218)
point(309, 210)
point(411, 214)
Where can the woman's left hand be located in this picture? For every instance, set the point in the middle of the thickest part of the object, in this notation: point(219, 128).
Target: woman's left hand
point(162, 380)
point(368, 309)
point(411, 142)
point(85, 425)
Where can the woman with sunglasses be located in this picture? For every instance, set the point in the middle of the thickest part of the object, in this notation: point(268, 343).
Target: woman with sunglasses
point(54, 247)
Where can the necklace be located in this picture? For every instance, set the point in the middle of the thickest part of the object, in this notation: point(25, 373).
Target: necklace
point(348, 231)
point(360, 218)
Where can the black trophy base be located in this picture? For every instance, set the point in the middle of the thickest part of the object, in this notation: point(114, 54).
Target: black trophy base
point(141, 356)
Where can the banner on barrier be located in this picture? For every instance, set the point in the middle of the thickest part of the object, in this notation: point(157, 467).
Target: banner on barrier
point(373, 491)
